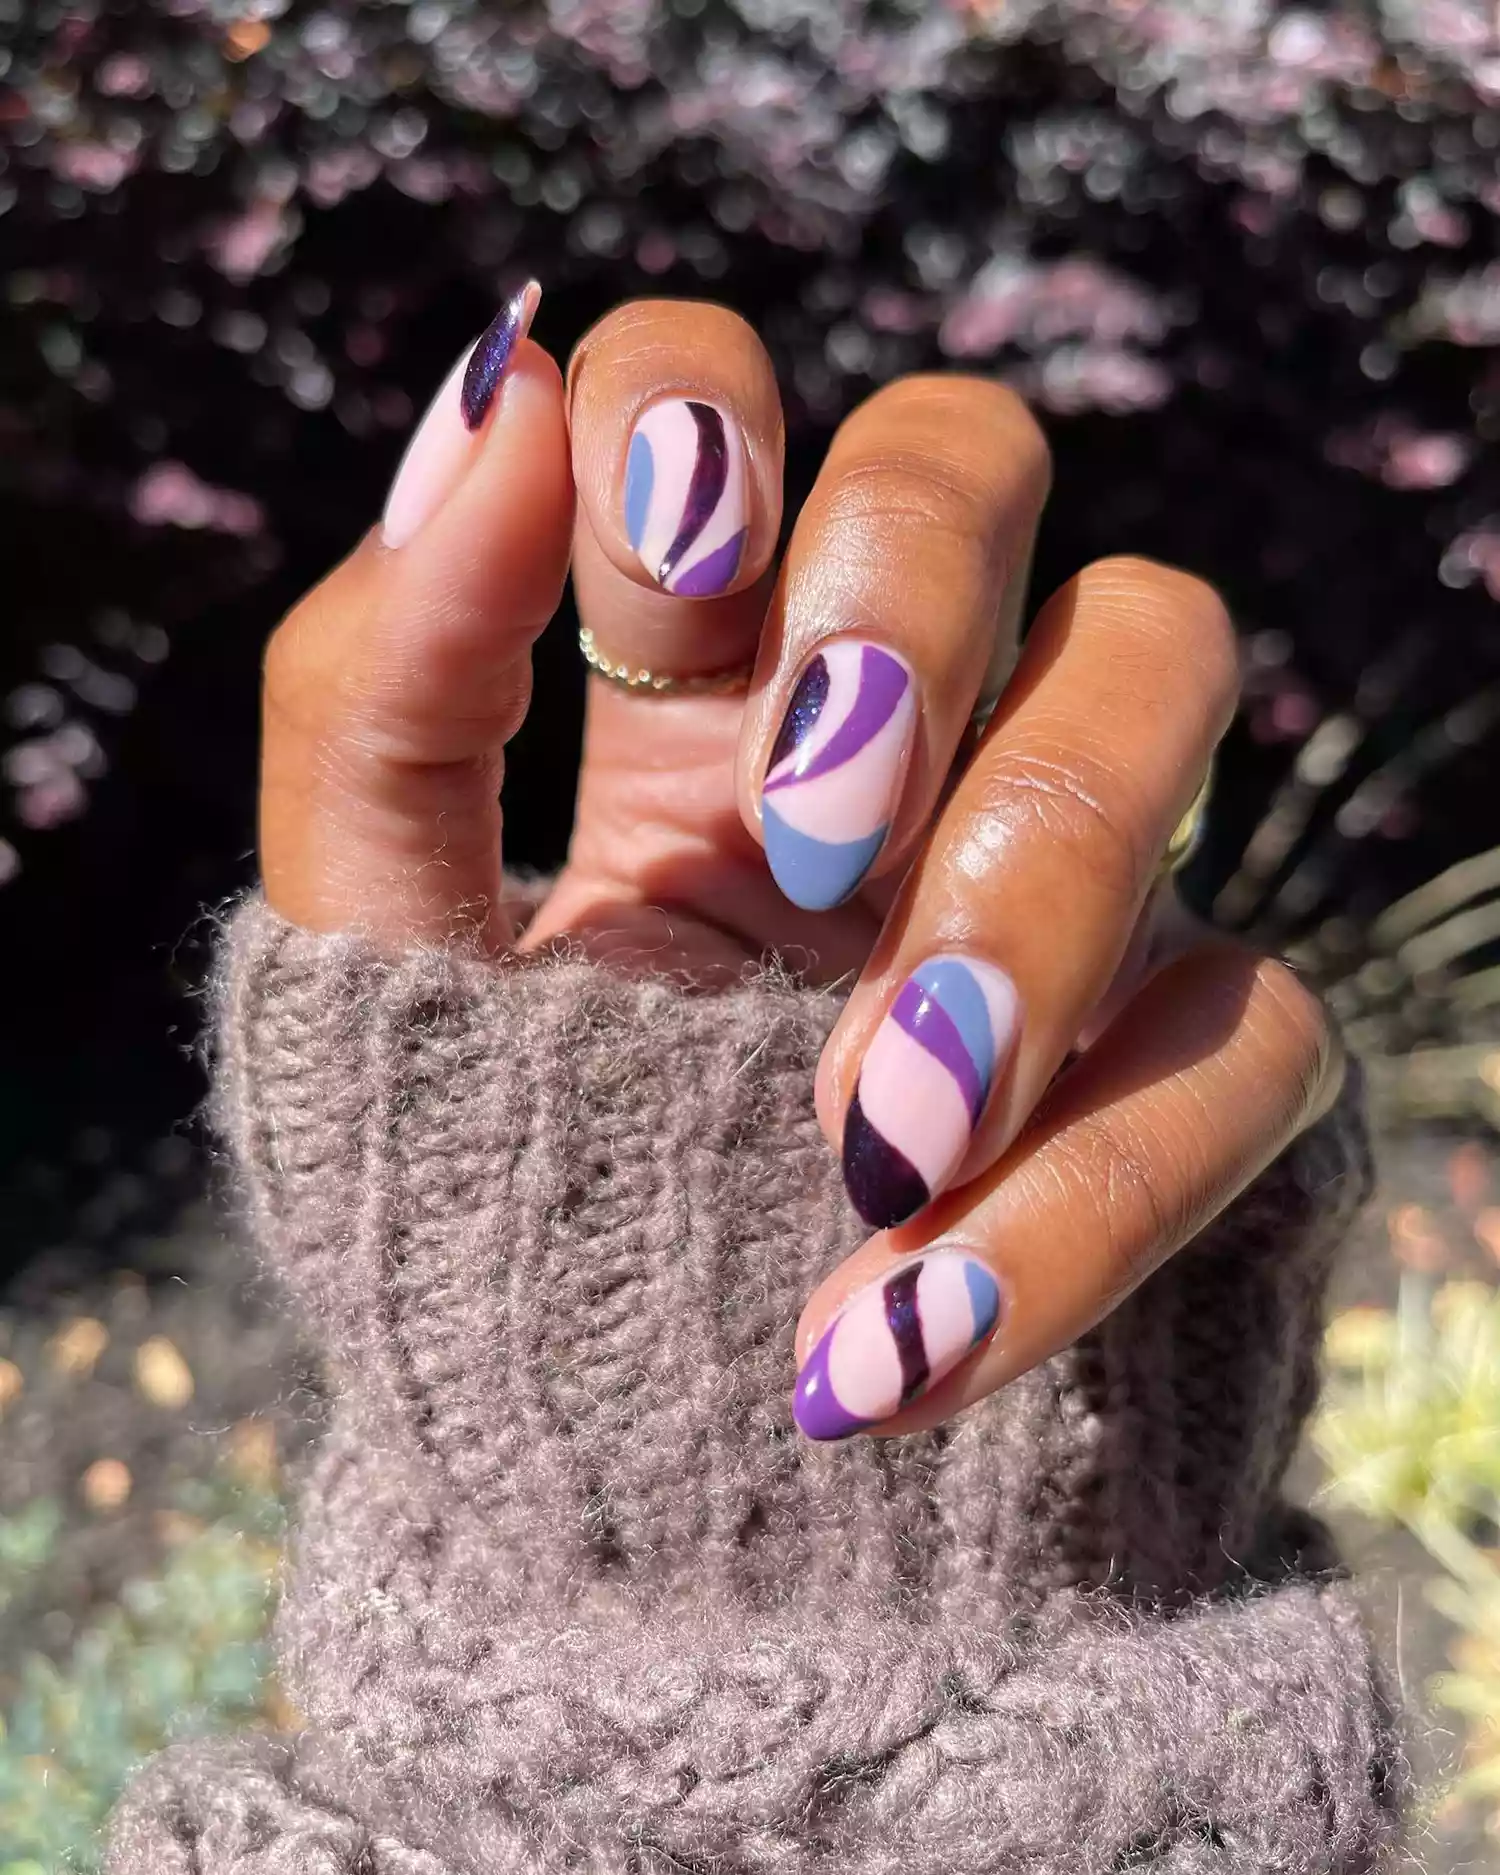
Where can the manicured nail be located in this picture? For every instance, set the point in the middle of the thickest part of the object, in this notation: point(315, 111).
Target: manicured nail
point(685, 502)
point(491, 355)
point(923, 1083)
point(443, 446)
point(836, 770)
point(893, 1341)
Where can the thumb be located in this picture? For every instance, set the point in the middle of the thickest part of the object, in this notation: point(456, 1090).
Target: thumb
point(391, 690)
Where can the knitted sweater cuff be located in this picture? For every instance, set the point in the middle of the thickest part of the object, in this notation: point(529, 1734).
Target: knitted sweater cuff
point(1247, 1737)
point(571, 1590)
point(554, 1227)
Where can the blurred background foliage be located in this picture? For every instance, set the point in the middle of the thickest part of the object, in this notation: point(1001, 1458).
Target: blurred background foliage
point(143, 1457)
point(181, 1653)
point(1242, 256)
point(1409, 1431)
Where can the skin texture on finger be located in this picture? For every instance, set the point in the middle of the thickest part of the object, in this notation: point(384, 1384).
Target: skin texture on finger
point(900, 576)
point(1202, 1081)
point(391, 690)
point(1021, 907)
point(660, 870)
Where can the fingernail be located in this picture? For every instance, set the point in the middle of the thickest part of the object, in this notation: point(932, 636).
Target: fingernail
point(492, 354)
point(686, 510)
point(836, 770)
point(444, 444)
point(923, 1083)
point(893, 1341)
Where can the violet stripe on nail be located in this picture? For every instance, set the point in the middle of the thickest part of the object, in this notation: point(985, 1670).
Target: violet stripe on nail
point(444, 446)
point(836, 770)
point(883, 683)
point(893, 1341)
point(685, 496)
point(923, 1083)
point(917, 1012)
point(489, 358)
point(905, 1324)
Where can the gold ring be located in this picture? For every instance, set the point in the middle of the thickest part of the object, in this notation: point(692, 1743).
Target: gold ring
point(652, 683)
point(1184, 842)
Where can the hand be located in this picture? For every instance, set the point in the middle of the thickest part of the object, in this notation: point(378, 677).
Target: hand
point(995, 921)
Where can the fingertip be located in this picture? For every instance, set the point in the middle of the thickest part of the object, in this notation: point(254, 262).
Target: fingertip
point(499, 542)
point(871, 1350)
point(446, 443)
point(677, 447)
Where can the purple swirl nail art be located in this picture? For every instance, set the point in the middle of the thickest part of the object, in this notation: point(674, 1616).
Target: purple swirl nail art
point(445, 445)
point(923, 1084)
point(685, 496)
point(490, 356)
point(836, 770)
point(893, 1341)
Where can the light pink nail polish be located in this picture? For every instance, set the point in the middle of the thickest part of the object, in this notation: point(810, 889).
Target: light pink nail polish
point(686, 502)
point(433, 465)
point(447, 437)
point(894, 1340)
point(923, 1084)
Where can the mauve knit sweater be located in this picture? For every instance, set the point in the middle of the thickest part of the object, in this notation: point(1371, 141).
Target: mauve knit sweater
point(569, 1593)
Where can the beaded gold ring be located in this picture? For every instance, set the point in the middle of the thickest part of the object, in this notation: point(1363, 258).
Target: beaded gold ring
point(636, 678)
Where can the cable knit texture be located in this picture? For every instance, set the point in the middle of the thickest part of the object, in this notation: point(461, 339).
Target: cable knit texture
point(569, 1592)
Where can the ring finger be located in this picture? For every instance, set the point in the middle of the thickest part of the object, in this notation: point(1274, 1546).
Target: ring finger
point(1018, 912)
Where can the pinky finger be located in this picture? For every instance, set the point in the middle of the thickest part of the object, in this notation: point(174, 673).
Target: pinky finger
point(1214, 1067)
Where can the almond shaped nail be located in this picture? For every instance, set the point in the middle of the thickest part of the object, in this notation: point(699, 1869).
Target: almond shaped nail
point(489, 358)
point(893, 1341)
point(836, 769)
point(443, 446)
point(686, 506)
point(923, 1084)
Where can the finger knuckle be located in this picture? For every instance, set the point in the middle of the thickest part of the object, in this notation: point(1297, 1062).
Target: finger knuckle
point(1142, 1204)
point(1077, 806)
point(968, 446)
point(287, 661)
point(308, 673)
point(991, 416)
point(901, 486)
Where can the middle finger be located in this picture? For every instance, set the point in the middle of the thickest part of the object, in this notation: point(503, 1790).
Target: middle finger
point(903, 579)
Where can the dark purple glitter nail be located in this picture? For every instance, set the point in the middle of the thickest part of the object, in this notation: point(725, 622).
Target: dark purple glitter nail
point(491, 355)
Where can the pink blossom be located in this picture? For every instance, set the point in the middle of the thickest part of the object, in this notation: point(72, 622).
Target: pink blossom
point(170, 495)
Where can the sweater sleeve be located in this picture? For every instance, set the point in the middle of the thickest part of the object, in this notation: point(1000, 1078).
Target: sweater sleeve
point(569, 1591)
point(557, 1226)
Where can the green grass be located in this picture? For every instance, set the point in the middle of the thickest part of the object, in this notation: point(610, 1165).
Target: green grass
point(181, 1654)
